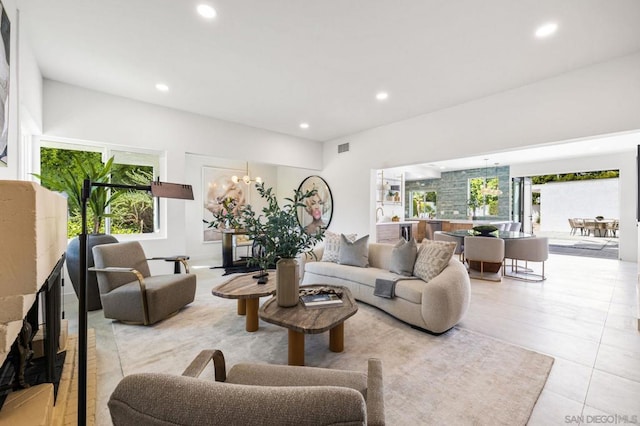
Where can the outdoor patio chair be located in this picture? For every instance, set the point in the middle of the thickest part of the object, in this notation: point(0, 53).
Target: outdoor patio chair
point(591, 228)
point(578, 224)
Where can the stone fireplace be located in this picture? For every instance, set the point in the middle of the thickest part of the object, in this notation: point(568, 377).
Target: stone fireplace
point(33, 227)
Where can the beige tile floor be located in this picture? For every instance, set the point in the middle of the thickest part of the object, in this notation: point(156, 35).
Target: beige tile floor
point(584, 315)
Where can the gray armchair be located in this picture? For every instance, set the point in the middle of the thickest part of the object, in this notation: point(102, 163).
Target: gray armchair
point(250, 394)
point(128, 291)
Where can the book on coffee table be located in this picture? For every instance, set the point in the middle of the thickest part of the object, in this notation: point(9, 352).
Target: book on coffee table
point(320, 300)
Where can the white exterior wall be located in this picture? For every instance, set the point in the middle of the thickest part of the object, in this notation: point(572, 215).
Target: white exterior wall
point(560, 201)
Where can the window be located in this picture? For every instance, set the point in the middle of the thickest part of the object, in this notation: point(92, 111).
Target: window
point(131, 211)
point(483, 196)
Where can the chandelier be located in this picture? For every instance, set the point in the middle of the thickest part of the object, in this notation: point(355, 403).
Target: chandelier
point(484, 189)
point(246, 178)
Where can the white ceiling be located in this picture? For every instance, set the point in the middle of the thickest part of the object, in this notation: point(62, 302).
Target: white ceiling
point(273, 64)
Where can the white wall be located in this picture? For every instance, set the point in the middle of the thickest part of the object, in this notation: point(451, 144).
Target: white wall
point(596, 100)
point(75, 113)
point(560, 201)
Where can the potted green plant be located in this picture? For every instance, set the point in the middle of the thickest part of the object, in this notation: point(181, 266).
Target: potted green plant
point(99, 200)
point(282, 239)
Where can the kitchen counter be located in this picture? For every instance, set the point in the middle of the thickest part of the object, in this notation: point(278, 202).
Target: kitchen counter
point(392, 232)
point(402, 222)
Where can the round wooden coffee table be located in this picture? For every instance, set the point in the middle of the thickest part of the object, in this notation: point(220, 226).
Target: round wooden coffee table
point(301, 320)
point(245, 288)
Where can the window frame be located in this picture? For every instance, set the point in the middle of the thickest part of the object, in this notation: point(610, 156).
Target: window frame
point(106, 151)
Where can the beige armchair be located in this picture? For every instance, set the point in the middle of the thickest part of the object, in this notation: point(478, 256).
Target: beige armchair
point(250, 394)
point(130, 293)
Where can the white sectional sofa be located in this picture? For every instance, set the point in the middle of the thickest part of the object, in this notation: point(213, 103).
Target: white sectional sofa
point(434, 306)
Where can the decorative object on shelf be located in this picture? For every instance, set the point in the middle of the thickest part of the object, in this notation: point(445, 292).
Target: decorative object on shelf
point(223, 200)
point(283, 238)
point(98, 202)
point(317, 210)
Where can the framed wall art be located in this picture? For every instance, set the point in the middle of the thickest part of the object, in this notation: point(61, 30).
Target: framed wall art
point(318, 209)
point(5, 32)
point(216, 187)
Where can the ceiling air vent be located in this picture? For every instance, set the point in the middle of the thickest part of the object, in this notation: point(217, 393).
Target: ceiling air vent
point(343, 148)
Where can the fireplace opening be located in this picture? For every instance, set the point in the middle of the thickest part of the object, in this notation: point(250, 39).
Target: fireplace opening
point(31, 362)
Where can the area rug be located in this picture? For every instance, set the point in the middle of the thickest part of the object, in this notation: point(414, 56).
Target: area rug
point(601, 247)
point(460, 377)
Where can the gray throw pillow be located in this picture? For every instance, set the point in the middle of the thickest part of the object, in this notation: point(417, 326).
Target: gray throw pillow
point(354, 253)
point(403, 257)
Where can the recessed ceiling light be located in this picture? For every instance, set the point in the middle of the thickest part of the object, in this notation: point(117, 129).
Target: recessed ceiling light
point(304, 125)
point(162, 87)
point(381, 96)
point(546, 30)
point(206, 11)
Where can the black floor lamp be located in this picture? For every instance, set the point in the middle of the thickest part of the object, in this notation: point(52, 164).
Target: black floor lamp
point(158, 189)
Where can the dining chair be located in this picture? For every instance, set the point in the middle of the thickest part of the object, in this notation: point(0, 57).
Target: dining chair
point(515, 227)
point(535, 249)
point(487, 252)
point(441, 236)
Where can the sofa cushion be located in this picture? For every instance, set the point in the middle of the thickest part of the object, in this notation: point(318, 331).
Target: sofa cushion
point(403, 257)
point(354, 253)
point(331, 251)
point(433, 257)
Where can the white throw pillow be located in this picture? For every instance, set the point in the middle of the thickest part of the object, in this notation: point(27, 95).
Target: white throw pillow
point(433, 257)
point(331, 251)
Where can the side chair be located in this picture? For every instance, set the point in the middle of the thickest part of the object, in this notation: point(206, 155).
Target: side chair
point(484, 250)
point(250, 394)
point(130, 293)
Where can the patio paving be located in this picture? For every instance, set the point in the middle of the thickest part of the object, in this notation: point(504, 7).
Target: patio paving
point(581, 245)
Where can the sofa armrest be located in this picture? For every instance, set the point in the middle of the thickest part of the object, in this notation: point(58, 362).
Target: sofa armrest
point(314, 256)
point(445, 299)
